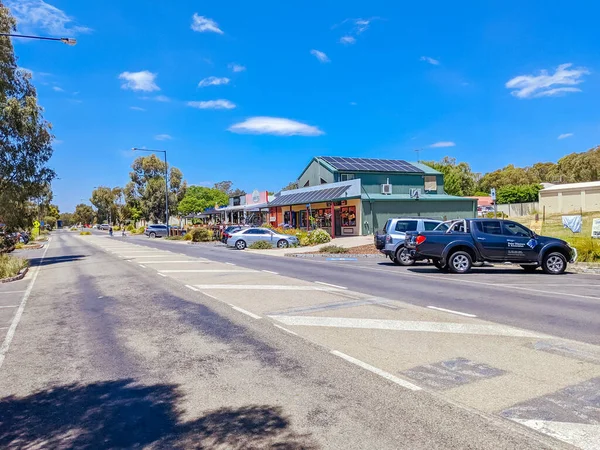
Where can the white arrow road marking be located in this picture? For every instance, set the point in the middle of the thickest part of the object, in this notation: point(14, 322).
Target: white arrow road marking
point(582, 435)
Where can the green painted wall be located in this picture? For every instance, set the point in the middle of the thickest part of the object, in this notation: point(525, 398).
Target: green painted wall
point(401, 183)
point(313, 175)
point(375, 218)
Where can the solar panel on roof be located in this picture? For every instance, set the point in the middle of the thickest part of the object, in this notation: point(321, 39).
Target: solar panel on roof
point(370, 164)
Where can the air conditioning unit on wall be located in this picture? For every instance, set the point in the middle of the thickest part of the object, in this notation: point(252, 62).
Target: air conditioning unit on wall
point(386, 189)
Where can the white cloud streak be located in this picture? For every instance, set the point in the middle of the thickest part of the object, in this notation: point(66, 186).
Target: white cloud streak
point(136, 108)
point(213, 81)
point(203, 24)
point(429, 60)
point(565, 135)
point(163, 137)
point(139, 81)
point(320, 56)
point(443, 144)
point(236, 67)
point(39, 16)
point(347, 40)
point(57, 89)
point(276, 126)
point(213, 104)
point(532, 86)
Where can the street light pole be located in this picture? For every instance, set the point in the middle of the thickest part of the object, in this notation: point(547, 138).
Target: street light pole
point(68, 41)
point(164, 152)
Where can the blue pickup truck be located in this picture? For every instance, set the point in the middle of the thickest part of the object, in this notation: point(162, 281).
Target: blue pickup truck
point(472, 241)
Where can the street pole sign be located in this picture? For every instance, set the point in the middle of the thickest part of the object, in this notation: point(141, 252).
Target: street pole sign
point(493, 195)
point(596, 228)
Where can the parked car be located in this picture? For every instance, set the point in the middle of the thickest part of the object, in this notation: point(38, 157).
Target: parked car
point(227, 232)
point(246, 237)
point(490, 240)
point(394, 233)
point(104, 227)
point(156, 230)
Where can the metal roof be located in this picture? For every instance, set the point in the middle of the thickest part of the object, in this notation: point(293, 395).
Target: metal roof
point(560, 187)
point(312, 196)
point(370, 164)
point(425, 197)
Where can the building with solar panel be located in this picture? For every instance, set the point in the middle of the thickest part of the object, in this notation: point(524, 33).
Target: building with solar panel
point(355, 196)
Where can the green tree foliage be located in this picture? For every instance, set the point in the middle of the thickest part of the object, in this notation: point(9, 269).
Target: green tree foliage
point(50, 221)
point(146, 190)
point(198, 198)
point(25, 137)
point(290, 186)
point(84, 214)
point(67, 219)
point(54, 211)
point(459, 179)
point(518, 193)
point(104, 199)
point(227, 188)
point(507, 176)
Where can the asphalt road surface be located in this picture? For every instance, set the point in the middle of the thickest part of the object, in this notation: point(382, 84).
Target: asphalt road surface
point(130, 343)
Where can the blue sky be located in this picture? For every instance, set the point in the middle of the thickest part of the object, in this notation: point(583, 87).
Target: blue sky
point(251, 91)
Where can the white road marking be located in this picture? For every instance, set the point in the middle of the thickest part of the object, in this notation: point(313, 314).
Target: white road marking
point(231, 264)
point(206, 271)
point(211, 296)
point(155, 255)
point(142, 266)
point(191, 287)
point(11, 292)
point(176, 262)
point(452, 311)
point(275, 287)
point(582, 435)
point(270, 271)
point(13, 326)
point(248, 313)
point(102, 296)
point(162, 274)
point(375, 370)
point(329, 284)
point(10, 306)
point(285, 329)
point(405, 325)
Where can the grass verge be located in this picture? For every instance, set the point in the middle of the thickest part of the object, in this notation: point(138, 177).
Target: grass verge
point(333, 249)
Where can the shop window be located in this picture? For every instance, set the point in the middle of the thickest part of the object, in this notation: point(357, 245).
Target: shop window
point(430, 183)
point(321, 218)
point(348, 216)
point(346, 176)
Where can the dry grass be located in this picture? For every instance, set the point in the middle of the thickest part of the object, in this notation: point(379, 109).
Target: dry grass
point(11, 265)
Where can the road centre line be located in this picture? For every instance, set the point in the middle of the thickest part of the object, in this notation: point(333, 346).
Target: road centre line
point(13, 326)
point(452, 311)
point(278, 287)
point(206, 271)
point(285, 329)
point(162, 274)
point(11, 292)
point(270, 271)
point(142, 266)
point(10, 306)
point(375, 370)
point(248, 313)
point(191, 287)
point(175, 262)
point(211, 296)
point(329, 284)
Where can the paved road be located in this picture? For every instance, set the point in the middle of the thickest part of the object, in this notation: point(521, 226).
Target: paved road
point(107, 353)
point(567, 306)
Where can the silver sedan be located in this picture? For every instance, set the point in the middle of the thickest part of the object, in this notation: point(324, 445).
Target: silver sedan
point(247, 237)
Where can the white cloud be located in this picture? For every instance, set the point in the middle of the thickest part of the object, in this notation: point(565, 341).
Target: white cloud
point(320, 56)
point(236, 67)
point(162, 98)
point(274, 125)
point(347, 40)
point(163, 137)
point(353, 103)
point(565, 135)
point(57, 89)
point(37, 15)
point(213, 81)
point(136, 108)
point(139, 81)
point(432, 61)
point(212, 104)
point(442, 144)
point(204, 24)
point(531, 86)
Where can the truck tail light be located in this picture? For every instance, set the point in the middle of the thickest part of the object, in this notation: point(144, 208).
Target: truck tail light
point(421, 239)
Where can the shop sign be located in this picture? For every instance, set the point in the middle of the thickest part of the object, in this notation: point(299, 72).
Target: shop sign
point(255, 196)
point(596, 228)
point(272, 218)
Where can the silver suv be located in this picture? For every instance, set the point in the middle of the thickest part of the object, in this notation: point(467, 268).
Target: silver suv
point(395, 231)
point(156, 230)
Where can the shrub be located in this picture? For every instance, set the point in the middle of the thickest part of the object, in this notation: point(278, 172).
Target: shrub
point(261, 245)
point(85, 233)
point(588, 248)
point(130, 228)
point(174, 238)
point(303, 238)
point(19, 245)
point(188, 236)
point(501, 215)
point(140, 230)
point(116, 228)
point(318, 236)
point(333, 249)
point(10, 266)
point(201, 235)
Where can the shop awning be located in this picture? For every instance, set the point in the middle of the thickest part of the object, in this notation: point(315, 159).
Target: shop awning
point(313, 196)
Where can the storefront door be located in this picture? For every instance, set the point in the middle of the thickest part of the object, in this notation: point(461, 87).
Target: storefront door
point(338, 222)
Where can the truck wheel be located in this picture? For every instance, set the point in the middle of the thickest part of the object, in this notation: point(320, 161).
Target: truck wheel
point(554, 263)
point(529, 268)
point(460, 262)
point(443, 267)
point(403, 257)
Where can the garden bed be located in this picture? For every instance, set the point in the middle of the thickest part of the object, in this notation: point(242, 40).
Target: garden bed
point(12, 268)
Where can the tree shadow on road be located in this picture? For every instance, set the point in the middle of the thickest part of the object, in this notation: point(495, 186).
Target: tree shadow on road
point(122, 414)
point(54, 260)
